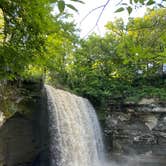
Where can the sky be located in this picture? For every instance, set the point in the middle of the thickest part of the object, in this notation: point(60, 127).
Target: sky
point(108, 15)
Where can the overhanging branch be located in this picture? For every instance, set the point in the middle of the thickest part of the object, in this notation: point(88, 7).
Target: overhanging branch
point(99, 17)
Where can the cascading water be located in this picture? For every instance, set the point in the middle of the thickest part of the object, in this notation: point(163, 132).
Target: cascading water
point(75, 133)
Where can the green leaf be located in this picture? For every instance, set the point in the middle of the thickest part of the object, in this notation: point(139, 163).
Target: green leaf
point(160, 5)
point(78, 1)
point(129, 9)
point(142, 1)
point(131, 1)
point(119, 10)
point(61, 6)
point(52, 1)
point(71, 7)
point(150, 2)
point(136, 1)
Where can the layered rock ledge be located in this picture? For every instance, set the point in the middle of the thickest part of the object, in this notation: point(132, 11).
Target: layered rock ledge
point(138, 130)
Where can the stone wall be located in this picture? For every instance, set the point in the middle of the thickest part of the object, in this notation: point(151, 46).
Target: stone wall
point(138, 130)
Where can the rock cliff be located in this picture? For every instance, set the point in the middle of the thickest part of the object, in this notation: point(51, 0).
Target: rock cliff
point(138, 130)
point(24, 135)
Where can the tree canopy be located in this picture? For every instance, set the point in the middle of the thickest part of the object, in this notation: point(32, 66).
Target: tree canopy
point(25, 30)
point(35, 42)
point(128, 57)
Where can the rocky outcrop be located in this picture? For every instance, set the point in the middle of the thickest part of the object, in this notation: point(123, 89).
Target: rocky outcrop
point(24, 136)
point(2, 118)
point(18, 144)
point(138, 130)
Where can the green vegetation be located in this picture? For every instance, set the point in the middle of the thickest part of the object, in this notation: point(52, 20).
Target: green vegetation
point(127, 62)
point(22, 98)
point(132, 4)
point(32, 41)
point(27, 31)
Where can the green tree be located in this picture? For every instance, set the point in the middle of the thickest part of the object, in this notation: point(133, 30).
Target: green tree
point(27, 24)
point(127, 58)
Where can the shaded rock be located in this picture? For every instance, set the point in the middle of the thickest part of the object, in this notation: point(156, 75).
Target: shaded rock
point(18, 144)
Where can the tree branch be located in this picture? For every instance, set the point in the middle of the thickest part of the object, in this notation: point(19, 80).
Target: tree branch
point(91, 12)
point(99, 17)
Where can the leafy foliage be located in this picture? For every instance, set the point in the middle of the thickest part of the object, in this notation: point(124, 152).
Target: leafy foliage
point(25, 27)
point(128, 61)
point(133, 4)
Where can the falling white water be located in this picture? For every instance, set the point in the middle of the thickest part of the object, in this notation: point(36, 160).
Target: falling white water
point(75, 133)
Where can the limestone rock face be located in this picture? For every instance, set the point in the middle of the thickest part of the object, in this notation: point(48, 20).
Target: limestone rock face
point(139, 130)
point(2, 118)
point(18, 144)
point(24, 137)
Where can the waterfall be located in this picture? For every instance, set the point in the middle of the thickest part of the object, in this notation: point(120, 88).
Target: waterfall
point(75, 135)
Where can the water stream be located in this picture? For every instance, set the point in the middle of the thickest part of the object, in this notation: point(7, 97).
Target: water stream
point(76, 138)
